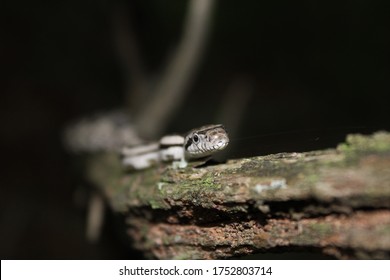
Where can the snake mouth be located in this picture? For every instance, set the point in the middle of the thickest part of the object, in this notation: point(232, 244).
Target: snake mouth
point(221, 145)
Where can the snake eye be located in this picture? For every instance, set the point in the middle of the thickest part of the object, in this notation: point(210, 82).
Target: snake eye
point(195, 138)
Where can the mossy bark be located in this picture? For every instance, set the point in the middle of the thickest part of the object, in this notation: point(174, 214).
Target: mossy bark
point(335, 200)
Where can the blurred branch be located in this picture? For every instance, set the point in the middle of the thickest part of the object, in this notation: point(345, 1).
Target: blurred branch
point(95, 217)
point(174, 81)
point(107, 131)
point(126, 42)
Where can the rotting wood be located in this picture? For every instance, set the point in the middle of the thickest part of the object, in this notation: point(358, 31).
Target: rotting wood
point(335, 200)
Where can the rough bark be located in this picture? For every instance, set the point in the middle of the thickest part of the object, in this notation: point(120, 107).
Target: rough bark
point(336, 201)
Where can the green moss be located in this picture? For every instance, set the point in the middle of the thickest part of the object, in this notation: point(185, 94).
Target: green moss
point(158, 204)
point(205, 183)
point(383, 230)
point(357, 144)
point(320, 229)
point(184, 190)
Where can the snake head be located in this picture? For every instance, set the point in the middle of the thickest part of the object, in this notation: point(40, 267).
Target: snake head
point(206, 140)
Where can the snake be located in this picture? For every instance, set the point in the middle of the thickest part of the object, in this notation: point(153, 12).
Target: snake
point(198, 143)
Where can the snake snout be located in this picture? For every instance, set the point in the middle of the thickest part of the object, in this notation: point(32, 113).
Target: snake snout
point(221, 144)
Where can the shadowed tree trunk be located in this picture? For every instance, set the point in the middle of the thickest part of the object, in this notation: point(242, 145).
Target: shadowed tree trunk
point(336, 201)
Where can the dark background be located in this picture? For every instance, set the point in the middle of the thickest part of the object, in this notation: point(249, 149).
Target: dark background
point(320, 70)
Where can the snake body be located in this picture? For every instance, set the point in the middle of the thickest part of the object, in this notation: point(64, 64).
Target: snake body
point(198, 143)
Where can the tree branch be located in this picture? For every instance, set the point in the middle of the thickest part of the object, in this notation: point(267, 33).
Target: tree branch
point(137, 89)
point(175, 79)
point(335, 200)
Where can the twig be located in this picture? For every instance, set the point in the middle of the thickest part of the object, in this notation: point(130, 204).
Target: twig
point(126, 42)
point(176, 78)
point(95, 217)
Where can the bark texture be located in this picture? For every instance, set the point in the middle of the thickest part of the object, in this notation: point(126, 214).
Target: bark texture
point(336, 201)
